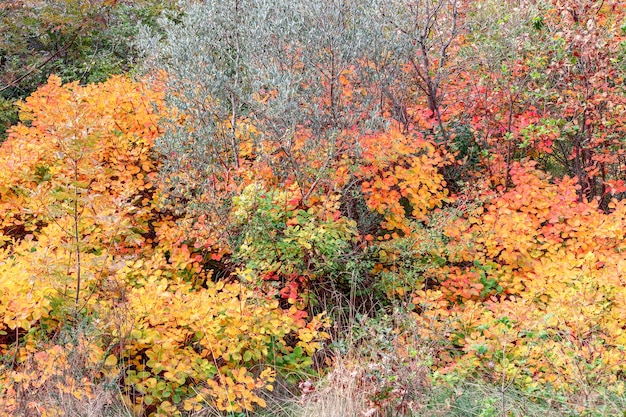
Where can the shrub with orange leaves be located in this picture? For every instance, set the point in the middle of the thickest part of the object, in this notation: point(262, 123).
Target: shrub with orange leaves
point(536, 291)
point(401, 177)
point(85, 246)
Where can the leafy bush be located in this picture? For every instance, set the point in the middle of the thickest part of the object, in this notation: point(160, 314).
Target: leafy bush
point(84, 243)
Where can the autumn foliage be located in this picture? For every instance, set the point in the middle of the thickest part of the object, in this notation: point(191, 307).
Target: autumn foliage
point(84, 242)
point(533, 287)
point(190, 244)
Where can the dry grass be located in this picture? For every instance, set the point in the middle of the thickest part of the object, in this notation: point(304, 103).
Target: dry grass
point(341, 395)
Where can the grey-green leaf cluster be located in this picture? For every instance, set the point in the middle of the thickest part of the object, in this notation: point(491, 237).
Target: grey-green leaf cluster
point(273, 68)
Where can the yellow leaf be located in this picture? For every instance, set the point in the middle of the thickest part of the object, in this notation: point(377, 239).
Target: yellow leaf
point(111, 361)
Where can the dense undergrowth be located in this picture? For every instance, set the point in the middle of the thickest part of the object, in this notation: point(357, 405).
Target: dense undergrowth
point(337, 209)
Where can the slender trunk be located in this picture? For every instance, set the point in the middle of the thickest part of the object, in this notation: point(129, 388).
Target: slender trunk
point(233, 99)
point(509, 147)
point(77, 234)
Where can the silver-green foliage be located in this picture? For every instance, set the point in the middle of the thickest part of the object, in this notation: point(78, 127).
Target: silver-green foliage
point(222, 57)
